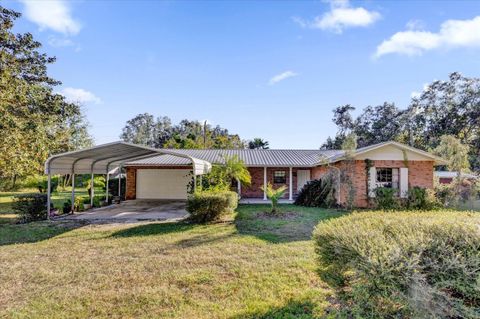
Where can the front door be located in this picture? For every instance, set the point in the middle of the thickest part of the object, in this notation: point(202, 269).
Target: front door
point(303, 176)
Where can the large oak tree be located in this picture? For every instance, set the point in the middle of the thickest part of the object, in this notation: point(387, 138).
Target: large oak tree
point(34, 121)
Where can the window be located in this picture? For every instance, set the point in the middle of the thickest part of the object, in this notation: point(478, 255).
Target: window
point(279, 177)
point(387, 177)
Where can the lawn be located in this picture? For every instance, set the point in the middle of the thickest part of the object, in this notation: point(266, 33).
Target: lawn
point(251, 267)
point(58, 198)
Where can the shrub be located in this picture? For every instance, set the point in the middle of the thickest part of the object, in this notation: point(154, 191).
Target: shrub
point(317, 193)
point(403, 264)
point(421, 198)
point(113, 187)
point(96, 201)
point(30, 207)
point(67, 207)
point(40, 182)
point(209, 206)
point(274, 195)
point(386, 198)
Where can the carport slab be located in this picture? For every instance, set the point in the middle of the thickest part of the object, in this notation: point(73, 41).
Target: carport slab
point(136, 210)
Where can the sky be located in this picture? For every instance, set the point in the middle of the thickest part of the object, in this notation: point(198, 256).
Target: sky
point(269, 69)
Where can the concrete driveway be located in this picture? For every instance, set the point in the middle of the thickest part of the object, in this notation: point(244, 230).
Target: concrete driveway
point(135, 210)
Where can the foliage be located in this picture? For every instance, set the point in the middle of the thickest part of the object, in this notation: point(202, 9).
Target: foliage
point(386, 198)
point(161, 133)
point(207, 206)
point(222, 176)
point(274, 195)
point(34, 121)
point(403, 264)
point(40, 182)
point(444, 108)
point(460, 190)
point(113, 187)
point(421, 198)
point(258, 143)
point(30, 207)
point(454, 152)
point(317, 193)
point(67, 206)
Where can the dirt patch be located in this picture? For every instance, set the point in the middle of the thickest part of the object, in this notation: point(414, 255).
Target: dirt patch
point(279, 215)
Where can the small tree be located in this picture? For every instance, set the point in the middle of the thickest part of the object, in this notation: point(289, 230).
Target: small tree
point(274, 195)
point(221, 176)
point(454, 152)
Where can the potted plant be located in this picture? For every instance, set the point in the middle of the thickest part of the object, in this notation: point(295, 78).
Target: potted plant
point(86, 203)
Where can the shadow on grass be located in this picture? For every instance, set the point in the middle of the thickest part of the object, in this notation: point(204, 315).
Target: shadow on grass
point(303, 309)
point(154, 229)
point(292, 223)
point(34, 231)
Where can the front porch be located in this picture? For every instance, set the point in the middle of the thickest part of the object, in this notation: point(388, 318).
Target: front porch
point(263, 201)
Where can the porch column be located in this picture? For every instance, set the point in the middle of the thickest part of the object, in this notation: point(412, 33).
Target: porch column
point(49, 184)
point(265, 183)
point(290, 183)
point(73, 192)
point(239, 188)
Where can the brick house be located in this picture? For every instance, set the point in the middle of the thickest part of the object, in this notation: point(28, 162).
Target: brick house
point(388, 164)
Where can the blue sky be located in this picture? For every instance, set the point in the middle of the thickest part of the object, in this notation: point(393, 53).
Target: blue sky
point(261, 69)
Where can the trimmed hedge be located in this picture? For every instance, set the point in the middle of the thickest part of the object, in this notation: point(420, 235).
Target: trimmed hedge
point(30, 207)
point(403, 264)
point(209, 206)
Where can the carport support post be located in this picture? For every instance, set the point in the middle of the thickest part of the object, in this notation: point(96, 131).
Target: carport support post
point(92, 192)
point(49, 183)
point(120, 183)
point(73, 192)
point(106, 188)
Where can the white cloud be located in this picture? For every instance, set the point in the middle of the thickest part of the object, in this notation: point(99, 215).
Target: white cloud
point(51, 14)
point(282, 76)
point(80, 96)
point(60, 42)
point(452, 34)
point(341, 16)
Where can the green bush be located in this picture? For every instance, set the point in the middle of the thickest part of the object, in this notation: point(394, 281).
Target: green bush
point(403, 264)
point(386, 198)
point(421, 198)
point(317, 193)
point(96, 201)
point(67, 206)
point(30, 207)
point(209, 206)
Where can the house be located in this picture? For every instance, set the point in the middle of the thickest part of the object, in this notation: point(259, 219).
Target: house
point(447, 177)
point(388, 164)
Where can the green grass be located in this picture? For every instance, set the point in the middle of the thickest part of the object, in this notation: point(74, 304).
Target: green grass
point(251, 267)
point(7, 215)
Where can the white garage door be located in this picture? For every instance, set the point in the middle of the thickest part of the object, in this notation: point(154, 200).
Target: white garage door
point(162, 183)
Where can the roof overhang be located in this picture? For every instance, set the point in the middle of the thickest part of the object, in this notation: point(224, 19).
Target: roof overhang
point(102, 158)
point(437, 160)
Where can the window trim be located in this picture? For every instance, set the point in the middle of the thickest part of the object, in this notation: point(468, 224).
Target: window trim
point(392, 179)
point(284, 177)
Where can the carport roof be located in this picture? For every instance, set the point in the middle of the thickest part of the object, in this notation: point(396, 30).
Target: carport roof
point(99, 159)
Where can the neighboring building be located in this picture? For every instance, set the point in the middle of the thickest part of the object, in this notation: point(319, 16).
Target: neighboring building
point(446, 177)
point(391, 164)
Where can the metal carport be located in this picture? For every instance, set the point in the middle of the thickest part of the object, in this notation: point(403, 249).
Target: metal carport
point(102, 158)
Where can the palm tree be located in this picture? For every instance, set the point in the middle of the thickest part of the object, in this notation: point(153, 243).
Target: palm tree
point(258, 143)
point(274, 195)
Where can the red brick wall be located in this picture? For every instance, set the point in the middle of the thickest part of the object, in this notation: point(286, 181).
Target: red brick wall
point(255, 191)
point(131, 187)
point(420, 173)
